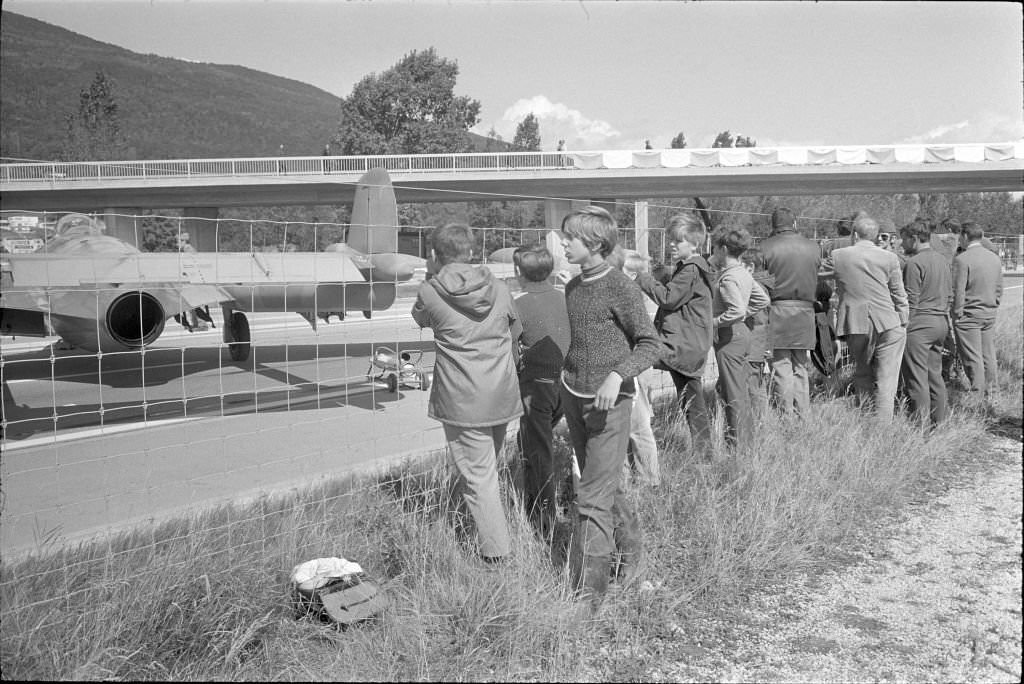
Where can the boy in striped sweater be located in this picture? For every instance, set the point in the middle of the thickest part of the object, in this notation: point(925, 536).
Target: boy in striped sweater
point(612, 340)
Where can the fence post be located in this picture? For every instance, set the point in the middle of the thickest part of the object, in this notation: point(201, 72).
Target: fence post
point(640, 227)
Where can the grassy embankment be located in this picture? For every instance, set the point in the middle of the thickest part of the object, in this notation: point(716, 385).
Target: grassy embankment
point(205, 597)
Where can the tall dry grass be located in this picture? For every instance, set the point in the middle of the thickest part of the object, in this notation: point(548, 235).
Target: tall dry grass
point(205, 597)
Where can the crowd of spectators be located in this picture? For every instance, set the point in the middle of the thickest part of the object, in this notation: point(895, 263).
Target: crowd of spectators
point(769, 316)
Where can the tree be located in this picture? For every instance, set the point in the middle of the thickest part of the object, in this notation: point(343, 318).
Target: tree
point(527, 138)
point(726, 139)
point(495, 143)
point(723, 139)
point(94, 134)
point(409, 109)
point(678, 142)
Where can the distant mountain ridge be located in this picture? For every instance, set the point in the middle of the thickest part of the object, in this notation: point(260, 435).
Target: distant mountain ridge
point(169, 108)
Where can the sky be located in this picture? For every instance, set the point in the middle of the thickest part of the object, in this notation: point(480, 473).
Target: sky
point(609, 75)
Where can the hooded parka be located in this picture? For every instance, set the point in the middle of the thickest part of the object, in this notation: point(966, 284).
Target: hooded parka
point(474, 324)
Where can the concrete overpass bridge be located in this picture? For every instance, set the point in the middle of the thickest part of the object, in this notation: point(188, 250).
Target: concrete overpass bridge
point(202, 186)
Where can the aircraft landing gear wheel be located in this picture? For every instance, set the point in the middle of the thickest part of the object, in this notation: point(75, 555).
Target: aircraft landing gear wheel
point(425, 380)
point(240, 347)
point(392, 383)
point(367, 314)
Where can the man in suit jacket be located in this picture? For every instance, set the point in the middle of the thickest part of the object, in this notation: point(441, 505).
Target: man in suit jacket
point(793, 261)
point(977, 290)
point(872, 313)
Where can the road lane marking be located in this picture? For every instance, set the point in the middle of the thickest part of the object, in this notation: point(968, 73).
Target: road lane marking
point(107, 372)
point(11, 445)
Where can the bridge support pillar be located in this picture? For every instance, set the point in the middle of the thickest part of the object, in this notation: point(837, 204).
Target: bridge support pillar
point(201, 225)
point(556, 209)
point(121, 223)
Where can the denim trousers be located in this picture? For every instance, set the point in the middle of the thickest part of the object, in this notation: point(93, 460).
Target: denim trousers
point(474, 453)
point(690, 394)
point(542, 409)
point(731, 350)
point(643, 449)
point(599, 439)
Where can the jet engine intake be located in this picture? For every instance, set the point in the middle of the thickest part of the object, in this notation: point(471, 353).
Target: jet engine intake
point(135, 319)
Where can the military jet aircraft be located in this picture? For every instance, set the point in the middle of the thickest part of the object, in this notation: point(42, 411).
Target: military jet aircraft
point(102, 294)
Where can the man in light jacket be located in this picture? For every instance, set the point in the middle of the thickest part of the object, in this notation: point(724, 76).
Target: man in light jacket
point(475, 392)
point(872, 314)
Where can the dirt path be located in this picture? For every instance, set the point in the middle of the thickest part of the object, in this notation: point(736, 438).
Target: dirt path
point(936, 598)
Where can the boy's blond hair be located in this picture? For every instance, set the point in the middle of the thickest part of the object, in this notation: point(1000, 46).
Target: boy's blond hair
point(595, 228)
point(687, 227)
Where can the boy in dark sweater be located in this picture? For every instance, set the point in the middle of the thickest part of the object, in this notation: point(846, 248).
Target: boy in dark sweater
point(612, 340)
point(545, 339)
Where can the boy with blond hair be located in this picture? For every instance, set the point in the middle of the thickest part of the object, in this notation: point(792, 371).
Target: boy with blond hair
point(684, 321)
point(612, 340)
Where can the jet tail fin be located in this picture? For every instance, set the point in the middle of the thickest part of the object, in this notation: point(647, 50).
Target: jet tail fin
point(374, 220)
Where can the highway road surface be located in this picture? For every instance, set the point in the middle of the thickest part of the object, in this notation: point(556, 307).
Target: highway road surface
point(93, 444)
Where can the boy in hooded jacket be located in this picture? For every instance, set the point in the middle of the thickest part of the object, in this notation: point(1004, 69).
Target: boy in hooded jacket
point(683, 321)
point(475, 392)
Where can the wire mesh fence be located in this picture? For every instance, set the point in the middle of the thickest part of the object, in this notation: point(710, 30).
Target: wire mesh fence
point(124, 458)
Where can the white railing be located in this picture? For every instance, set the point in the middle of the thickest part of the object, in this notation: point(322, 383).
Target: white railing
point(398, 164)
point(278, 166)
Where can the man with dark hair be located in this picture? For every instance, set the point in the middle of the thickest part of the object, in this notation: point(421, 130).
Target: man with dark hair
point(929, 293)
point(844, 230)
point(945, 238)
point(793, 261)
point(871, 315)
point(985, 242)
point(977, 290)
point(545, 339)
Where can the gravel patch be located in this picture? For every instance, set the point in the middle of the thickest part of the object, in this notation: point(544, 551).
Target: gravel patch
point(937, 597)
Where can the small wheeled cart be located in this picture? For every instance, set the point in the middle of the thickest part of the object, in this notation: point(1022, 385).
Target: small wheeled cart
point(398, 369)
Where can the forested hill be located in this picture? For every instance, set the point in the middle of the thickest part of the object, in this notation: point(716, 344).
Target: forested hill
point(169, 108)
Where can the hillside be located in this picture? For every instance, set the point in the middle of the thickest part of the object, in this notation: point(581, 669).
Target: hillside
point(169, 108)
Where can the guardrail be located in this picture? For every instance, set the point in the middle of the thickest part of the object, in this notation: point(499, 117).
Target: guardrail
point(56, 172)
point(277, 166)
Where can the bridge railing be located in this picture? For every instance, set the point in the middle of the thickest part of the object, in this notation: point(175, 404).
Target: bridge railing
point(276, 166)
point(55, 172)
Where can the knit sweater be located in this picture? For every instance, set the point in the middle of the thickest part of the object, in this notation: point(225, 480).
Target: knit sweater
point(610, 331)
point(928, 283)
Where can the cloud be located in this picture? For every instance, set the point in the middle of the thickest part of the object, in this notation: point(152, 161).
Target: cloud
point(986, 127)
point(557, 122)
point(939, 133)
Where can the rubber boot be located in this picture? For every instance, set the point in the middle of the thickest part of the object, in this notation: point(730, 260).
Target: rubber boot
point(630, 554)
point(589, 576)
